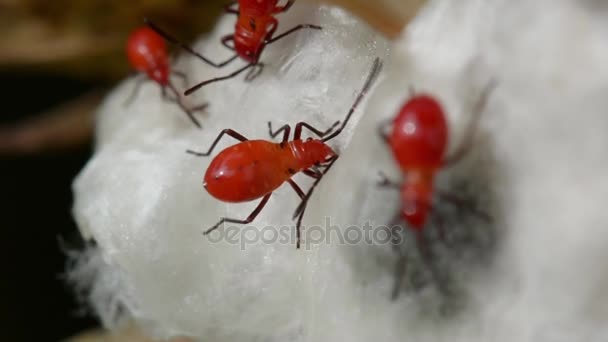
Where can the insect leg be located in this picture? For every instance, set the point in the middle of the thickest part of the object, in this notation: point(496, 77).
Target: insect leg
point(185, 47)
point(139, 80)
point(297, 28)
point(373, 74)
point(300, 193)
point(181, 104)
point(217, 79)
point(312, 174)
point(286, 129)
point(466, 144)
point(300, 125)
point(227, 131)
point(254, 72)
point(383, 129)
point(228, 8)
point(182, 75)
point(400, 266)
point(249, 218)
point(462, 203)
point(226, 39)
point(304, 202)
point(387, 183)
point(285, 7)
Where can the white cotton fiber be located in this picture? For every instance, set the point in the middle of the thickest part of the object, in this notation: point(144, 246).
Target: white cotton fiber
point(534, 272)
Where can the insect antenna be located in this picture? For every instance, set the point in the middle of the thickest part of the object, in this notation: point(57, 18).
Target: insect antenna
point(376, 68)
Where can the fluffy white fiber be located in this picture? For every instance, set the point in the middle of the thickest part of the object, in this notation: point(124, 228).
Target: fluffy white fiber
point(535, 272)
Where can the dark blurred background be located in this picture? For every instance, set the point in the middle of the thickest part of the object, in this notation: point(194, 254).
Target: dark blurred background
point(57, 60)
point(36, 202)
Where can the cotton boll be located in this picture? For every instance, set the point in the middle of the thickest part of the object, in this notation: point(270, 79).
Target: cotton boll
point(534, 273)
point(141, 196)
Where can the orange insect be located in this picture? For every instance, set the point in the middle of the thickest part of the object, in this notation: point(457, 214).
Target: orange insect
point(253, 169)
point(253, 31)
point(147, 54)
point(418, 140)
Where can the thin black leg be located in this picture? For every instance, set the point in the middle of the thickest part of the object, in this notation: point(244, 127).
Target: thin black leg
point(249, 218)
point(284, 8)
point(170, 38)
point(254, 72)
point(184, 108)
point(385, 182)
point(383, 130)
point(285, 129)
point(297, 28)
point(375, 71)
point(140, 79)
point(236, 135)
point(469, 133)
point(304, 202)
point(228, 8)
point(300, 125)
point(217, 79)
point(463, 204)
point(226, 39)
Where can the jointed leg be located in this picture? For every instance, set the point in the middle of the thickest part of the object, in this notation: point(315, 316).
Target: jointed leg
point(299, 125)
point(139, 80)
point(182, 75)
point(185, 47)
point(226, 39)
point(469, 133)
point(217, 79)
point(297, 28)
point(228, 8)
point(373, 74)
point(227, 131)
point(387, 183)
point(304, 202)
point(254, 72)
point(383, 129)
point(186, 110)
point(285, 129)
point(284, 8)
point(249, 218)
point(313, 174)
point(463, 204)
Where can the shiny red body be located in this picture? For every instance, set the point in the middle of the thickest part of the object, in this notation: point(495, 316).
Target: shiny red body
point(418, 141)
point(147, 52)
point(256, 23)
point(254, 168)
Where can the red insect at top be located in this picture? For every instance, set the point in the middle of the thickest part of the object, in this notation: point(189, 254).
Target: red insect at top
point(255, 25)
point(147, 53)
point(253, 31)
point(253, 169)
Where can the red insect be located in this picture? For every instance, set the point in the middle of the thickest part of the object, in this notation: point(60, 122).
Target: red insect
point(418, 140)
point(253, 169)
point(253, 31)
point(147, 53)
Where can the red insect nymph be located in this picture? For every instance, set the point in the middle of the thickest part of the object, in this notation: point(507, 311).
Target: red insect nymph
point(418, 142)
point(253, 31)
point(253, 169)
point(147, 53)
